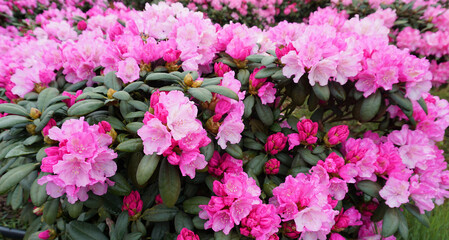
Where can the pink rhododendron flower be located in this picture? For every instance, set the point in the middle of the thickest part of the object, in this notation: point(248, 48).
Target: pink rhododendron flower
point(128, 70)
point(174, 131)
point(395, 192)
point(132, 203)
point(220, 69)
point(337, 134)
point(51, 123)
point(45, 234)
point(80, 163)
point(218, 165)
point(235, 196)
point(306, 135)
point(261, 223)
point(186, 234)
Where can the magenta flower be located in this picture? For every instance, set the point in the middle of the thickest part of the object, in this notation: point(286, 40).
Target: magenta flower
point(186, 234)
point(82, 25)
point(289, 229)
point(172, 56)
point(272, 166)
point(306, 135)
point(72, 100)
point(220, 69)
point(218, 165)
point(336, 135)
point(47, 127)
point(275, 143)
point(132, 203)
point(261, 223)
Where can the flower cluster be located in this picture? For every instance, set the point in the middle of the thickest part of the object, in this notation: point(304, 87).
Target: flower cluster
point(81, 162)
point(172, 130)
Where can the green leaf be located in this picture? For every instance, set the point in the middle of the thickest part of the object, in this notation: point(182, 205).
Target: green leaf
point(369, 187)
point(227, 61)
point(265, 113)
point(111, 81)
point(223, 91)
point(249, 104)
point(421, 102)
point(75, 209)
point(84, 107)
point(400, 100)
point(414, 210)
point(121, 225)
point(85, 231)
point(14, 176)
point(367, 108)
point(163, 77)
point(211, 81)
point(22, 150)
point(299, 94)
point(121, 95)
point(208, 151)
point(201, 94)
point(32, 139)
point(403, 226)
point(390, 222)
point(160, 213)
point(38, 194)
point(133, 236)
point(266, 72)
point(88, 95)
point(198, 223)
point(76, 86)
point(321, 92)
point(115, 123)
point(243, 76)
point(139, 105)
point(45, 97)
point(169, 183)
point(146, 168)
point(11, 120)
point(267, 60)
point(131, 145)
point(139, 114)
point(134, 126)
point(308, 156)
point(16, 197)
point(98, 79)
point(191, 205)
point(256, 164)
point(50, 211)
point(183, 220)
point(252, 144)
point(121, 186)
point(234, 150)
point(13, 109)
point(133, 86)
point(337, 91)
point(255, 58)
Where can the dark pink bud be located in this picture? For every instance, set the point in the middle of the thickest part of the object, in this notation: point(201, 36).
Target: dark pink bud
point(332, 163)
point(256, 83)
point(154, 99)
point(186, 234)
point(275, 143)
point(272, 166)
point(337, 134)
point(307, 131)
point(289, 229)
point(132, 203)
point(105, 127)
point(45, 234)
point(280, 52)
point(82, 25)
point(172, 55)
point(47, 127)
point(158, 199)
point(72, 100)
point(221, 68)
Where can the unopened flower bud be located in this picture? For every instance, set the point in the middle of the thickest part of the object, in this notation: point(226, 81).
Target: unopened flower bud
point(110, 93)
point(82, 25)
point(221, 68)
point(38, 211)
point(158, 199)
point(275, 143)
point(272, 166)
point(31, 129)
point(47, 234)
point(188, 80)
point(35, 113)
point(197, 83)
point(212, 126)
point(336, 135)
point(133, 204)
point(289, 229)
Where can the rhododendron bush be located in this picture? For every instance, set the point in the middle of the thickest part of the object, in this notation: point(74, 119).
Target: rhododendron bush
point(125, 124)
